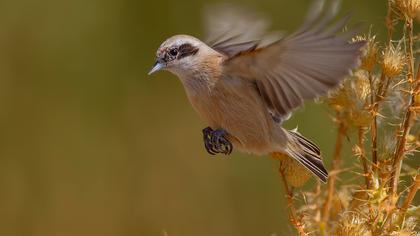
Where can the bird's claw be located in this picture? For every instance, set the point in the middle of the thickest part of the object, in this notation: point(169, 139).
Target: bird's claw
point(207, 137)
point(215, 141)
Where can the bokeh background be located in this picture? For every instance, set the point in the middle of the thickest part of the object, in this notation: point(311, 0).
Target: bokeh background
point(91, 145)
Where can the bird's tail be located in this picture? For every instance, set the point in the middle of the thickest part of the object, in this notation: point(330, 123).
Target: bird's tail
point(306, 153)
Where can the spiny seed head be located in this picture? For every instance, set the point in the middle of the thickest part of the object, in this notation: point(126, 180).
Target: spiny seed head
point(370, 51)
point(351, 100)
point(358, 92)
point(410, 8)
point(355, 89)
point(361, 85)
point(338, 99)
point(295, 173)
point(392, 60)
point(353, 224)
point(338, 102)
point(359, 118)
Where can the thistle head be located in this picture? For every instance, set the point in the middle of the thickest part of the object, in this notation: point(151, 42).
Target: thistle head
point(393, 60)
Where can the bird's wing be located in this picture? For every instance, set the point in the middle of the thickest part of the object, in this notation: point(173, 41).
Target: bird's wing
point(231, 30)
point(303, 65)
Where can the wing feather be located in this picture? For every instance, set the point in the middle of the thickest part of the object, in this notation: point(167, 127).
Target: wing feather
point(303, 65)
point(231, 30)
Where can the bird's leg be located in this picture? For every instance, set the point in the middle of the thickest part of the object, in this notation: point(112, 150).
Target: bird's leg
point(215, 141)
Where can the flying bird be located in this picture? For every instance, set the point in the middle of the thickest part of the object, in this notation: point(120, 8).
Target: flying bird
point(246, 82)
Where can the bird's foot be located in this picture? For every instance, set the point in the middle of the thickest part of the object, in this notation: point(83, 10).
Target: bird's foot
point(215, 141)
point(207, 136)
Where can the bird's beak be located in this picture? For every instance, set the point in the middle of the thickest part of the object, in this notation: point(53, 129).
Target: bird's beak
point(158, 66)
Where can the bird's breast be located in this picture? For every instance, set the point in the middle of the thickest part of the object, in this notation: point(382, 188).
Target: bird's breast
point(206, 104)
point(239, 110)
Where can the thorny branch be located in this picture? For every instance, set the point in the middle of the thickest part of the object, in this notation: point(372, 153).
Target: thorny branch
point(409, 115)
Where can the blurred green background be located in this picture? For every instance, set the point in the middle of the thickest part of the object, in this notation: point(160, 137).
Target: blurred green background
point(91, 145)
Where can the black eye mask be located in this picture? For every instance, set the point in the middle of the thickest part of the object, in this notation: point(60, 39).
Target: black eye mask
point(186, 50)
point(182, 51)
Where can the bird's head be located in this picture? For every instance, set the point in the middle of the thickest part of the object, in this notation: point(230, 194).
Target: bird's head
point(181, 54)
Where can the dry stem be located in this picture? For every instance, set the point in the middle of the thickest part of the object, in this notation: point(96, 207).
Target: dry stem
point(405, 128)
point(363, 158)
point(292, 211)
point(380, 94)
point(333, 174)
point(374, 128)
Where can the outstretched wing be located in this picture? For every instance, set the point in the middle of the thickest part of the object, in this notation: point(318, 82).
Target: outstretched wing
point(303, 65)
point(231, 30)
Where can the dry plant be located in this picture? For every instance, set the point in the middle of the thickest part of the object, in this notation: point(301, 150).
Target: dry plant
point(376, 110)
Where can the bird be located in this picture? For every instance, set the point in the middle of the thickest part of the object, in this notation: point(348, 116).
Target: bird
point(247, 83)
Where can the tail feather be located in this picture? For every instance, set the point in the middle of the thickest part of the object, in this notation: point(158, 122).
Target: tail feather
point(305, 142)
point(306, 153)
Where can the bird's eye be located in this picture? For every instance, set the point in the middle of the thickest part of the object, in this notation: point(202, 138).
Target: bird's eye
point(173, 52)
